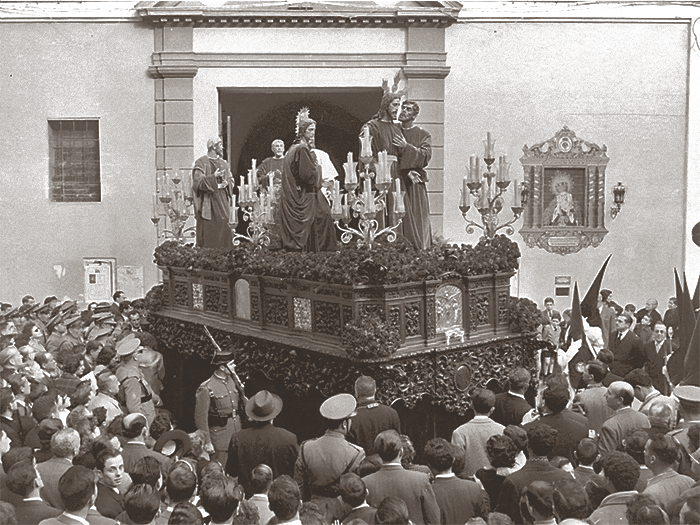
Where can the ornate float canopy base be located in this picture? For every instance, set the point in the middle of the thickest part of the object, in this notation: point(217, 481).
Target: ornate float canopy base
point(563, 240)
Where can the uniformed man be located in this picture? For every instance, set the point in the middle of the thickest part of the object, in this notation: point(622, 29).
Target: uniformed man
point(135, 394)
point(73, 336)
point(372, 417)
point(43, 316)
point(689, 400)
point(322, 461)
point(216, 408)
point(57, 327)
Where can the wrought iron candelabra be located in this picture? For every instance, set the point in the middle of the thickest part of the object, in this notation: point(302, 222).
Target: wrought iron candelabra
point(487, 190)
point(257, 208)
point(171, 203)
point(366, 204)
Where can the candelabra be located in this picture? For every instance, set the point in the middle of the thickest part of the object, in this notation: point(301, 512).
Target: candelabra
point(172, 202)
point(368, 203)
point(487, 190)
point(257, 209)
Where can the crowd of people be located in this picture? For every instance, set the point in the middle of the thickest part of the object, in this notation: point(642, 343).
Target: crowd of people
point(84, 438)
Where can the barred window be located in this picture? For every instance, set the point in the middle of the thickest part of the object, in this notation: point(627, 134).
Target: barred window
point(75, 160)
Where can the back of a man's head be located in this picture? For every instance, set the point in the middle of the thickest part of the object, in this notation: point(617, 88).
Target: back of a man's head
point(570, 500)
point(260, 479)
point(664, 449)
point(388, 445)
point(284, 498)
point(391, 511)
point(15, 455)
point(77, 488)
point(634, 444)
point(185, 513)
point(587, 451)
point(621, 470)
point(21, 478)
point(65, 443)
point(352, 489)
point(598, 370)
point(146, 470)
point(539, 496)
point(556, 398)
point(439, 454)
point(483, 400)
point(219, 497)
point(661, 415)
point(141, 503)
point(181, 483)
point(541, 439)
point(365, 386)
point(519, 380)
point(639, 377)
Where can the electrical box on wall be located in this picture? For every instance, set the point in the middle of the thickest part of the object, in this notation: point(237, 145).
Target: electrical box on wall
point(562, 285)
point(100, 278)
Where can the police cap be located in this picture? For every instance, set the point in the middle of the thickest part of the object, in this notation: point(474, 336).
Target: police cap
point(688, 395)
point(340, 406)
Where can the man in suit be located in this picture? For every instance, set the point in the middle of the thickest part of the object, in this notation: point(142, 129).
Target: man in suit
point(657, 352)
point(606, 307)
point(471, 437)
point(65, 445)
point(262, 443)
point(541, 441)
point(625, 419)
point(24, 480)
point(671, 319)
point(135, 429)
point(77, 489)
point(621, 474)
point(591, 400)
point(626, 347)
point(548, 312)
point(392, 480)
point(645, 392)
point(372, 417)
point(110, 471)
point(570, 427)
point(511, 406)
point(651, 311)
point(459, 500)
point(354, 493)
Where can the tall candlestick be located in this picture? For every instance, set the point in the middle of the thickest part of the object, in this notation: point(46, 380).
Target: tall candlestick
point(465, 192)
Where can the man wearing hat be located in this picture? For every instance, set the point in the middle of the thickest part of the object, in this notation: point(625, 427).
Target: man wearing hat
point(74, 335)
point(135, 393)
point(263, 443)
point(57, 331)
point(322, 461)
point(689, 400)
point(43, 316)
point(216, 408)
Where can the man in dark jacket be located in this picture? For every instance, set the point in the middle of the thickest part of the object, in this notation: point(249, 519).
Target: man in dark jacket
point(372, 417)
point(626, 347)
point(511, 406)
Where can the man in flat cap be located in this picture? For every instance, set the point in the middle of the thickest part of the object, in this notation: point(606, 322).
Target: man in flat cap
point(43, 316)
point(689, 400)
point(213, 189)
point(74, 335)
point(216, 408)
point(58, 330)
point(135, 393)
point(322, 461)
point(262, 443)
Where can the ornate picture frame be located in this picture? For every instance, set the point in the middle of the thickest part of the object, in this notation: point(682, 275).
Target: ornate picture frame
point(566, 179)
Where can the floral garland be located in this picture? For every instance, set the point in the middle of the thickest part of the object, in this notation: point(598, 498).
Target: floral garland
point(369, 337)
point(524, 315)
point(385, 263)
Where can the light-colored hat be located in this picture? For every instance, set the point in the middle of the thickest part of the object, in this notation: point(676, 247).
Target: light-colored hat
point(340, 406)
point(687, 394)
point(127, 347)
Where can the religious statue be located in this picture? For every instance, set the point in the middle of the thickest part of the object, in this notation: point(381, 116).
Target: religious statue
point(212, 188)
point(272, 166)
point(415, 146)
point(384, 128)
point(305, 215)
point(563, 210)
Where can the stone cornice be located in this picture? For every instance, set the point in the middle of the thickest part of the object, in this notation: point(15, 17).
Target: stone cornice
point(302, 14)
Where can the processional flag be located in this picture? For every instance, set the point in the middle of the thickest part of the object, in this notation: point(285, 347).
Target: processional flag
point(589, 305)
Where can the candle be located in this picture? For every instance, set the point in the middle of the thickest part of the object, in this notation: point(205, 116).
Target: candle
point(516, 193)
point(471, 173)
point(346, 208)
point(488, 151)
point(484, 195)
point(254, 163)
point(366, 143)
point(398, 186)
point(241, 186)
point(155, 205)
point(233, 212)
point(465, 192)
point(477, 169)
point(350, 158)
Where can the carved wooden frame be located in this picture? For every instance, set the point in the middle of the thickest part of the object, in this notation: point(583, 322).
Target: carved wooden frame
point(580, 164)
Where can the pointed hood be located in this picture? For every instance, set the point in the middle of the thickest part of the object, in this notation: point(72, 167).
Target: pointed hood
point(589, 305)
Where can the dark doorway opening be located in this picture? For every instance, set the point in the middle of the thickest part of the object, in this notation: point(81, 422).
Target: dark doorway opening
point(259, 116)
